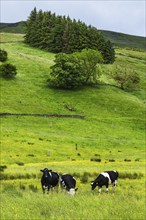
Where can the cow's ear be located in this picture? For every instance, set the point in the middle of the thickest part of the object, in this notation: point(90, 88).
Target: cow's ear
point(41, 170)
point(50, 170)
point(76, 189)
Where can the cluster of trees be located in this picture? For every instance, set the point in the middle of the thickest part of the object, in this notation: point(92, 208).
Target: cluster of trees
point(60, 34)
point(7, 70)
point(76, 69)
point(84, 68)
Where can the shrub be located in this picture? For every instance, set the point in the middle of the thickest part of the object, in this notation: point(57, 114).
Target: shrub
point(111, 160)
point(8, 71)
point(127, 160)
point(84, 178)
point(20, 163)
point(137, 159)
point(131, 175)
point(126, 79)
point(2, 168)
point(22, 187)
point(30, 155)
point(3, 55)
point(33, 188)
point(95, 159)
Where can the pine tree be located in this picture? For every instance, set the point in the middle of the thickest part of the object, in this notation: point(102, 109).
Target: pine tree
point(60, 34)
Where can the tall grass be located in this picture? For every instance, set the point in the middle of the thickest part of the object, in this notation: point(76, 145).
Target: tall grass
point(126, 203)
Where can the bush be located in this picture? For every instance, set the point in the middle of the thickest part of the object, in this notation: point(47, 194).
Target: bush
point(3, 55)
point(111, 160)
point(74, 70)
point(8, 71)
point(126, 79)
point(33, 188)
point(20, 163)
point(2, 168)
point(84, 178)
point(95, 159)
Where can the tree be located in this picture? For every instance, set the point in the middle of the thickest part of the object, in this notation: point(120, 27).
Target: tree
point(60, 34)
point(91, 71)
point(66, 72)
point(8, 71)
point(125, 78)
point(74, 70)
point(3, 55)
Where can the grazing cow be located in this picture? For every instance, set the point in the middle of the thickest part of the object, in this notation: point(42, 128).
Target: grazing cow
point(104, 179)
point(68, 182)
point(49, 179)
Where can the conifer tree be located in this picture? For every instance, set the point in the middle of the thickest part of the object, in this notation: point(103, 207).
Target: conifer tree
point(60, 34)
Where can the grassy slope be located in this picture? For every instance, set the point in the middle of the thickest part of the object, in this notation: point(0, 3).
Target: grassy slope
point(125, 40)
point(113, 129)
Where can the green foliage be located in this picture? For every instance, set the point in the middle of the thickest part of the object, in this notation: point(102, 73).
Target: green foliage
point(90, 68)
point(3, 55)
point(60, 34)
point(73, 70)
point(8, 71)
point(126, 78)
point(66, 72)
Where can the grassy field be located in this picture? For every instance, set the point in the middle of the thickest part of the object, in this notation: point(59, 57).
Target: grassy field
point(113, 131)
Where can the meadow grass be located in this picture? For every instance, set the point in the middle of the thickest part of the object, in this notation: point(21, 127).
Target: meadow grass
point(127, 202)
point(112, 132)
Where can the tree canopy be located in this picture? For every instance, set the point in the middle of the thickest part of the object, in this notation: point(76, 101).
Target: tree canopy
point(57, 34)
point(76, 69)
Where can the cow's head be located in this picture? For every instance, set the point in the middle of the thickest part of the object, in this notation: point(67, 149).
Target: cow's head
point(93, 185)
point(72, 191)
point(46, 172)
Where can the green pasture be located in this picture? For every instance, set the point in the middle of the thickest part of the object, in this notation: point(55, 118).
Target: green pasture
point(111, 136)
point(28, 202)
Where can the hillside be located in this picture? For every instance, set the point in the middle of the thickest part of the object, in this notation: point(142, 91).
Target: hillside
point(110, 137)
point(125, 40)
point(29, 93)
point(118, 39)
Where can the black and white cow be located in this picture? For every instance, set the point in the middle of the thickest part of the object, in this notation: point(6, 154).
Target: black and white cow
point(104, 179)
point(68, 182)
point(49, 180)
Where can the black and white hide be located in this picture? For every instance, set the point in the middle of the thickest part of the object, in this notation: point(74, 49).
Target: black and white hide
point(68, 182)
point(49, 180)
point(104, 179)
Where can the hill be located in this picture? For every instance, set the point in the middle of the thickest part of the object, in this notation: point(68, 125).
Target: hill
point(18, 27)
point(101, 105)
point(118, 39)
point(110, 137)
point(125, 40)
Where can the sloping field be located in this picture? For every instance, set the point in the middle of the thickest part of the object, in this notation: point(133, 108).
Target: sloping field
point(113, 131)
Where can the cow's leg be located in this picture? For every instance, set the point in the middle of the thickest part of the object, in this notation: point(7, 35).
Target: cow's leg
point(107, 187)
point(99, 189)
point(43, 189)
point(114, 185)
point(49, 187)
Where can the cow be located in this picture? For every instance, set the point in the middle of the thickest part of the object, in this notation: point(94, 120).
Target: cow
point(68, 182)
point(49, 180)
point(104, 179)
